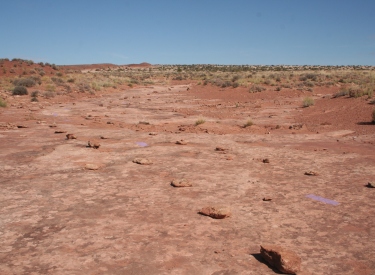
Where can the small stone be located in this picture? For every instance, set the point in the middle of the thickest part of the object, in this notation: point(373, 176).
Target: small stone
point(215, 212)
point(70, 136)
point(104, 137)
point(370, 185)
point(181, 142)
point(21, 126)
point(311, 173)
point(153, 134)
point(267, 199)
point(221, 149)
point(285, 261)
point(90, 166)
point(60, 132)
point(142, 161)
point(92, 144)
point(266, 161)
point(181, 183)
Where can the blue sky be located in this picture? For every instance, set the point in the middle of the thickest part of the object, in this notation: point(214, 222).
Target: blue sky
point(265, 32)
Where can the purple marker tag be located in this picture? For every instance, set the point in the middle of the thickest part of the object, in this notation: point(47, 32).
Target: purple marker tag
point(324, 200)
point(142, 144)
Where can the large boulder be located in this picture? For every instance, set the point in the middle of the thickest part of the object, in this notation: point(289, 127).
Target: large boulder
point(284, 260)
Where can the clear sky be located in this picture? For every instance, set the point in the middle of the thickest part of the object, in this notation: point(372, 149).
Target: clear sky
point(264, 32)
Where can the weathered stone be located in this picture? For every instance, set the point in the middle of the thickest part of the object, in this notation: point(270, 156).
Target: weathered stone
point(267, 199)
point(266, 161)
point(22, 126)
point(311, 173)
point(285, 261)
point(181, 142)
point(370, 185)
point(91, 166)
point(181, 183)
point(142, 161)
point(221, 149)
point(59, 132)
point(71, 136)
point(93, 144)
point(215, 212)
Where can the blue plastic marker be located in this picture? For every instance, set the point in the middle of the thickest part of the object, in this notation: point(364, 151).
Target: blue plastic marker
point(324, 200)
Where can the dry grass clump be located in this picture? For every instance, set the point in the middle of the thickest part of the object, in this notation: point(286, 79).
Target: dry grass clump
point(199, 122)
point(3, 104)
point(248, 123)
point(308, 101)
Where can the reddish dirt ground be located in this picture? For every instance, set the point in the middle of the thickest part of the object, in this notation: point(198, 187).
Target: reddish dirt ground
point(57, 217)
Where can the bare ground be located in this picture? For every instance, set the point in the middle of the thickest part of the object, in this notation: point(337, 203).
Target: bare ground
point(57, 217)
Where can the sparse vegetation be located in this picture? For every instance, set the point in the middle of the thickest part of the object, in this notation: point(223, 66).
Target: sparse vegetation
point(308, 101)
point(248, 123)
point(256, 89)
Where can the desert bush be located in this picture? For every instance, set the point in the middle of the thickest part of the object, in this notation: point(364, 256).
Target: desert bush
point(308, 101)
point(3, 104)
point(256, 89)
point(235, 84)
point(71, 80)
point(20, 90)
point(34, 99)
point(57, 80)
point(199, 122)
point(26, 82)
point(49, 94)
point(35, 94)
point(342, 92)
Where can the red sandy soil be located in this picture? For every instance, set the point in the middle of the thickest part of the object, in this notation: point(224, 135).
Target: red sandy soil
point(124, 218)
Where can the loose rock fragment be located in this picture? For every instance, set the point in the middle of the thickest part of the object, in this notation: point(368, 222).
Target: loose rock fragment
point(60, 132)
point(311, 173)
point(181, 183)
point(92, 144)
point(285, 261)
point(22, 126)
point(142, 161)
point(267, 199)
point(181, 142)
point(370, 185)
point(221, 149)
point(90, 166)
point(215, 212)
point(266, 161)
point(70, 136)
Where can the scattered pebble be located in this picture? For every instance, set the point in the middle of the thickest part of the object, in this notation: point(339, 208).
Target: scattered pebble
point(60, 132)
point(21, 126)
point(71, 136)
point(266, 161)
point(142, 161)
point(311, 173)
point(215, 212)
point(181, 183)
point(267, 199)
point(370, 185)
point(90, 166)
point(181, 142)
point(92, 144)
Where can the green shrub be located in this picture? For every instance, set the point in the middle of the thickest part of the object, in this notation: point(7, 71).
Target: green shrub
point(20, 90)
point(2, 103)
point(308, 101)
